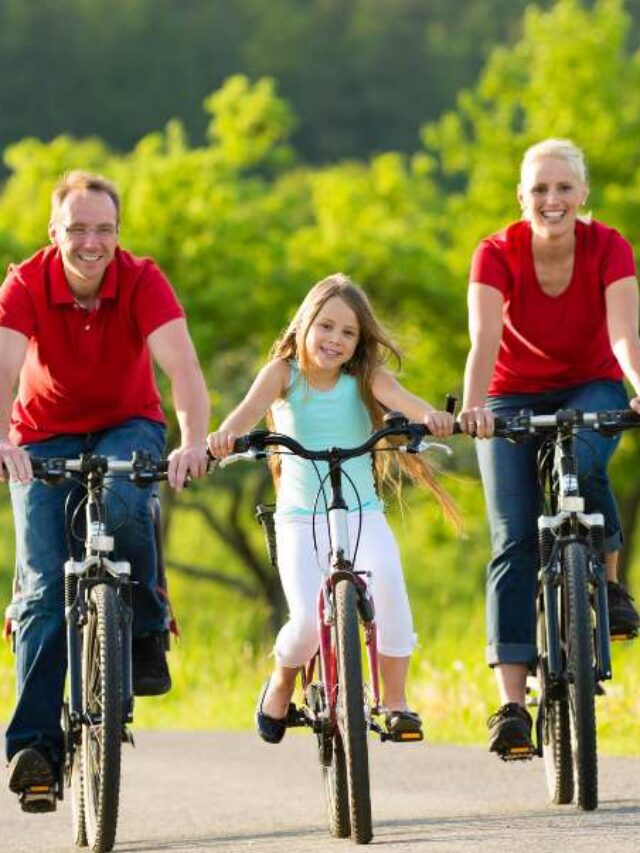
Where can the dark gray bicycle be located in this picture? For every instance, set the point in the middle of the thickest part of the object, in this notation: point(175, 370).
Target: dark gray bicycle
point(574, 655)
point(99, 706)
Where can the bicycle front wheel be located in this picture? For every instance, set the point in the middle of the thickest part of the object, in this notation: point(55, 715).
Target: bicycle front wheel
point(554, 727)
point(102, 729)
point(350, 711)
point(581, 676)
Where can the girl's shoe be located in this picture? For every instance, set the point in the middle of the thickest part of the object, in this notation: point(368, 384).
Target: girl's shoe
point(403, 723)
point(270, 729)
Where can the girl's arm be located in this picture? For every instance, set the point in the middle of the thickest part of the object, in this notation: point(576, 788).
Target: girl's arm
point(393, 396)
point(267, 387)
point(485, 306)
point(622, 323)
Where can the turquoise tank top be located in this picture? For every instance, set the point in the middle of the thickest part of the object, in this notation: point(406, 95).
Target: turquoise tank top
point(318, 420)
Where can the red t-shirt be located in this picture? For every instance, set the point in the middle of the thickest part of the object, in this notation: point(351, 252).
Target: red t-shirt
point(84, 370)
point(552, 341)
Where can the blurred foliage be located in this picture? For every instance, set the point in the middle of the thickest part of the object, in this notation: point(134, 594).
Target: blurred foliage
point(361, 74)
point(243, 228)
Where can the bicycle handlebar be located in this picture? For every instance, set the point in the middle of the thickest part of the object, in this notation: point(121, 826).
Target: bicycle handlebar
point(526, 423)
point(255, 443)
point(142, 467)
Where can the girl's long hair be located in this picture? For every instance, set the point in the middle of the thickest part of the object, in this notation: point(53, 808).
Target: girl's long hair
point(374, 350)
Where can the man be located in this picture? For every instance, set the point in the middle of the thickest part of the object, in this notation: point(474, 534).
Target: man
point(80, 322)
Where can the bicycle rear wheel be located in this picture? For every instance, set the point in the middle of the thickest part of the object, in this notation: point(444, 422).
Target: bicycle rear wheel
point(554, 727)
point(581, 680)
point(102, 702)
point(350, 711)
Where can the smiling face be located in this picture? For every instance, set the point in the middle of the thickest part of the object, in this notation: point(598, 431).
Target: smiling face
point(85, 230)
point(551, 194)
point(332, 338)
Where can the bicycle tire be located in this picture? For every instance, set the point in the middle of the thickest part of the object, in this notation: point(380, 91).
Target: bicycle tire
point(350, 711)
point(581, 681)
point(337, 790)
point(556, 751)
point(78, 822)
point(555, 729)
point(73, 779)
point(102, 702)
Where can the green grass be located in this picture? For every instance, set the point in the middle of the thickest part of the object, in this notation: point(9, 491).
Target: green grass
point(223, 657)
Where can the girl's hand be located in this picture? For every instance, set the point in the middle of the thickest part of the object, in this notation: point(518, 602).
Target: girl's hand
point(440, 423)
point(220, 443)
point(477, 421)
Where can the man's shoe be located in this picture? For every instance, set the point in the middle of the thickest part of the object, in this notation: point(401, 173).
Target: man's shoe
point(270, 729)
point(623, 616)
point(510, 732)
point(150, 669)
point(32, 777)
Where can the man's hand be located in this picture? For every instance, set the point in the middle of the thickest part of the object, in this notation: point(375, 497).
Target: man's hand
point(15, 464)
point(188, 460)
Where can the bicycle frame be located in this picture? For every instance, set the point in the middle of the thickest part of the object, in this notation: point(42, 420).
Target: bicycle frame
point(569, 523)
point(341, 567)
point(80, 577)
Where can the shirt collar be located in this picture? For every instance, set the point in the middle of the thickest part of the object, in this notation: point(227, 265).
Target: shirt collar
point(61, 293)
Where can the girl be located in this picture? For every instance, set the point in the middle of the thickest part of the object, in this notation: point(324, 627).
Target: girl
point(325, 385)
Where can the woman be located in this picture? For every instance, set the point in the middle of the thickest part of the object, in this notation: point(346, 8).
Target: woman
point(553, 318)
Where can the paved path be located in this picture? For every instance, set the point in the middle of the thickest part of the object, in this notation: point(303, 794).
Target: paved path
point(227, 792)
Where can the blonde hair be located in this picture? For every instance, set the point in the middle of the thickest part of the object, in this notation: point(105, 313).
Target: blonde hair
point(373, 350)
point(80, 180)
point(562, 149)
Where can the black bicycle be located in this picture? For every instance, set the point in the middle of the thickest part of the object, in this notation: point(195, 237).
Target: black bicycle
point(572, 616)
point(99, 706)
point(338, 705)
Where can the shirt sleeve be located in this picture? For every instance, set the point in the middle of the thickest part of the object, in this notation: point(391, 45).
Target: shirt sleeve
point(155, 302)
point(617, 260)
point(489, 266)
point(16, 308)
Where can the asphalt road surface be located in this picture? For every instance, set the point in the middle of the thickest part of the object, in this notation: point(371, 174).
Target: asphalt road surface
point(226, 791)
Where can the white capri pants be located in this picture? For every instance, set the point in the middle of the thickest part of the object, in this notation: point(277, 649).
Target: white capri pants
point(301, 576)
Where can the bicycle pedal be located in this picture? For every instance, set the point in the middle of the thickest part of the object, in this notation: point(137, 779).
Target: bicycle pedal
point(405, 737)
point(518, 753)
point(621, 637)
point(38, 799)
point(295, 717)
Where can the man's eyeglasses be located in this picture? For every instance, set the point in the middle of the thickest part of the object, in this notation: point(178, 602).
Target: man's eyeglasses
point(104, 231)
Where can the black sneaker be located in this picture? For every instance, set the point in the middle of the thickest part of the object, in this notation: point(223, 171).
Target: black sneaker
point(32, 777)
point(150, 669)
point(623, 617)
point(510, 732)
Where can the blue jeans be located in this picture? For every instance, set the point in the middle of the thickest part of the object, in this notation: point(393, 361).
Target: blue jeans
point(41, 550)
point(512, 496)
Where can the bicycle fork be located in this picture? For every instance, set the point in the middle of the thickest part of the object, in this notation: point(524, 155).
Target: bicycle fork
point(552, 543)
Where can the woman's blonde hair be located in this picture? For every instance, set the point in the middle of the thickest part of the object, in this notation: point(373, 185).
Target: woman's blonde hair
point(374, 349)
point(562, 149)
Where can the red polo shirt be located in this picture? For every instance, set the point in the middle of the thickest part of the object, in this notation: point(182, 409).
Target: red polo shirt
point(84, 370)
point(553, 341)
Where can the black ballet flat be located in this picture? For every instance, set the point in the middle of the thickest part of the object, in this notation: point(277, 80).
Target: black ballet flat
point(270, 729)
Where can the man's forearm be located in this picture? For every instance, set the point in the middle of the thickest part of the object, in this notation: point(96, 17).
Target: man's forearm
point(191, 404)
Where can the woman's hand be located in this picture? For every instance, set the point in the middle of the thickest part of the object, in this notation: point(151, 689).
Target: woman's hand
point(634, 404)
point(440, 424)
point(477, 421)
point(220, 443)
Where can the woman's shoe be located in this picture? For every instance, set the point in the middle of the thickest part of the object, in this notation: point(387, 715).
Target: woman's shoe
point(270, 729)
